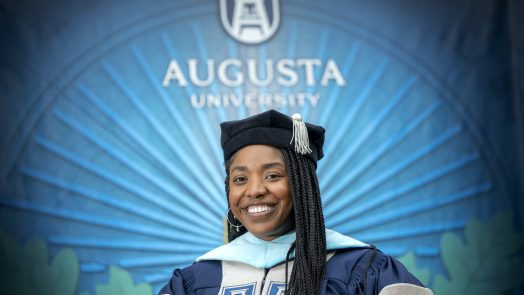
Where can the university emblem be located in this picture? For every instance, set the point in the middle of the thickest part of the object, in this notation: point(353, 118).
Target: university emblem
point(250, 21)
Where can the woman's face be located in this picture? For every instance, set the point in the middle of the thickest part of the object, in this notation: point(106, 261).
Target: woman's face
point(259, 191)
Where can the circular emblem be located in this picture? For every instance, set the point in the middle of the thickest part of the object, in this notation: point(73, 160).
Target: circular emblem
point(250, 21)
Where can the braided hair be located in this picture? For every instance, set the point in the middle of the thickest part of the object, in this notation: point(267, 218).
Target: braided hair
point(310, 244)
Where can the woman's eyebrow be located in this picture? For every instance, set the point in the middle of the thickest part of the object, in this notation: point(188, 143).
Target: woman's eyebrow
point(272, 164)
point(239, 168)
point(264, 166)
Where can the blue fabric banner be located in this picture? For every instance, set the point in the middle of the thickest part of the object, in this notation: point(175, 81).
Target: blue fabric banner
point(111, 171)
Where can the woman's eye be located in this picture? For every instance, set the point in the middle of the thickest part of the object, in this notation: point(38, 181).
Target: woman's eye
point(239, 179)
point(273, 176)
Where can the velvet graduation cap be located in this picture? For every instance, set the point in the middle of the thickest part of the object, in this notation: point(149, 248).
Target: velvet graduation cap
point(275, 129)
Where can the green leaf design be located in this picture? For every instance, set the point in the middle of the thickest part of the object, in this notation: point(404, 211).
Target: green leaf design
point(26, 269)
point(422, 274)
point(121, 283)
point(487, 263)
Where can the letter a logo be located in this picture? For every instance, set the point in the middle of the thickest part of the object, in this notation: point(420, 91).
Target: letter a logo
point(250, 21)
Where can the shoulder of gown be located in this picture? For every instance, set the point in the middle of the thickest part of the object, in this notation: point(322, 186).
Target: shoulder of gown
point(364, 271)
point(198, 276)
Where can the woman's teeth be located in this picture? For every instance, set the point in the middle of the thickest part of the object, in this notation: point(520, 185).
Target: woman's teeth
point(258, 209)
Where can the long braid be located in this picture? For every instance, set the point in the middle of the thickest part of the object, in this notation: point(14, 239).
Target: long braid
point(310, 252)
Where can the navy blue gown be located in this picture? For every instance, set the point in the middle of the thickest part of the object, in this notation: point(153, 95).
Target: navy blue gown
point(348, 271)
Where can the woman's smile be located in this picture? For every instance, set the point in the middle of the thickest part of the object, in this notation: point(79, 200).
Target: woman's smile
point(259, 210)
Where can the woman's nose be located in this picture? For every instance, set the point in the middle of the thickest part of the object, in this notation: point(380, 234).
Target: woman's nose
point(256, 188)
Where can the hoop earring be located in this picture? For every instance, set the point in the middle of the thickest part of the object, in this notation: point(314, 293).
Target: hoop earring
point(237, 227)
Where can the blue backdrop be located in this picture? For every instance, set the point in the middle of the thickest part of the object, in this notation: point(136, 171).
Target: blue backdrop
point(111, 169)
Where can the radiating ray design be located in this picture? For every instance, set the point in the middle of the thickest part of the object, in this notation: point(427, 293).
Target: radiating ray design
point(331, 100)
point(419, 251)
point(430, 252)
point(320, 52)
point(387, 145)
point(202, 49)
point(178, 225)
point(415, 231)
point(233, 53)
point(78, 216)
point(176, 148)
point(92, 267)
point(208, 132)
point(129, 186)
point(176, 171)
point(139, 262)
point(345, 122)
point(432, 175)
point(291, 48)
point(151, 246)
point(394, 170)
point(424, 251)
point(262, 72)
point(213, 164)
point(203, 157)
point(120, 156)
point(424, 205)
point(357, 142)
point(144, 144)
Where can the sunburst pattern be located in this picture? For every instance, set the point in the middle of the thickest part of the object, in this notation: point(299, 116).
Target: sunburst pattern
point(129, 173)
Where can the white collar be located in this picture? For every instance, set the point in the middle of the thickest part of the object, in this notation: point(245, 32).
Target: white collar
point(266, 254)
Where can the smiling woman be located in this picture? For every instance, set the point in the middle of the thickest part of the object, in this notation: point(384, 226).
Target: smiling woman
point(277, 240)
point(259, 192)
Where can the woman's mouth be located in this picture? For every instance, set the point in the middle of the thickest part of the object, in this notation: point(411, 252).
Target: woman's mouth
point(258, 210)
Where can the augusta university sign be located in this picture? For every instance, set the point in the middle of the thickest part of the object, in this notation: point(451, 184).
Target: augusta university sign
point(253, 22)
point(234, 73)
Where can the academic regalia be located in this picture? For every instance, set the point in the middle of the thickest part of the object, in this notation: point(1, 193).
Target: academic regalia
point(248, 266)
